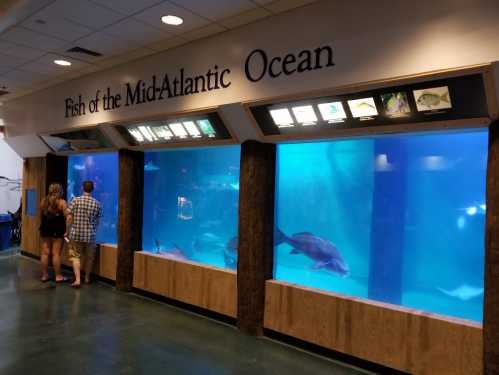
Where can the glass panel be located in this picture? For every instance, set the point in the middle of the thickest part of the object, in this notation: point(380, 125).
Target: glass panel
point(102, 169)
point(31, 202)
point(191, 202)
point(398, 219)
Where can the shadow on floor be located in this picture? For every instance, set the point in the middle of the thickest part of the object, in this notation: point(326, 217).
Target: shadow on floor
point(49, 329)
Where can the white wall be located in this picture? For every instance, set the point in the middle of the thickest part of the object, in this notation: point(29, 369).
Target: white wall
point(11, 166)
point(371, 40)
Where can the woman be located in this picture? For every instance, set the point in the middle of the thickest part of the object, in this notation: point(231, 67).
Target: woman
point(52, 229)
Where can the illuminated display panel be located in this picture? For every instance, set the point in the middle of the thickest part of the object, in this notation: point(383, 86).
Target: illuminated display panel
point(178, 129)
point(206, 128)
point(305, 114)
point(192, 129)
point(432, 99)
point(364, 107)
point(282, 117)
point(332, 112)
point(396, 104)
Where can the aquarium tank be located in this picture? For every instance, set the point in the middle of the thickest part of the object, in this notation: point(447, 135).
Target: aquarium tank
point(191, 199)
point(396, 218)
point(102, 169)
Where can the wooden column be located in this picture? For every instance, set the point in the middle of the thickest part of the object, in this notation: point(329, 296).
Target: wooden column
point(256, 228)
point(131, 186)
point(387, 228)
point(491, 303)
point(56, 171)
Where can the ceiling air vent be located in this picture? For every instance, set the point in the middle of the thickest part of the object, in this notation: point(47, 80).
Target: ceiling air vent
point(84, 51)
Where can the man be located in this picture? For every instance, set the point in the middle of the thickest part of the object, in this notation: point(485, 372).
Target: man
point(83, 218)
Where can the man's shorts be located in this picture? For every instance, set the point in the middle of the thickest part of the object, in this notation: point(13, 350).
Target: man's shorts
point(78, 249)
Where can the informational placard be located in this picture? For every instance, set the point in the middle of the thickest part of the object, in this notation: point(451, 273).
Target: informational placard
point(332, 112)
point(432, 99)
point(363, 108)
point(396, 104)
point(282, 117)
point(305, 114)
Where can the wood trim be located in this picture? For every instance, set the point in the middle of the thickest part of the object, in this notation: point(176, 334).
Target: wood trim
point(404, 339)
point(211, 288)
point(34, 171)
point(373, 85)
point(473, 123)
point(491, 93)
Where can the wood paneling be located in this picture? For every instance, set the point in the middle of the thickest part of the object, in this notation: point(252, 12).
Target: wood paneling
point(404, 339)
point(33, 178)
point(207, 287)
point(491, 303)
point(131, 196)
point(256, 227)
point(105, 263)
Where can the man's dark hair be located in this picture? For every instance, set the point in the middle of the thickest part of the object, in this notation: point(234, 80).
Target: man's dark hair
point(88, 186)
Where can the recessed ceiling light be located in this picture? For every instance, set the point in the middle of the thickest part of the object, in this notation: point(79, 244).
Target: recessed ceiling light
point(172, 20)
point(62, 62)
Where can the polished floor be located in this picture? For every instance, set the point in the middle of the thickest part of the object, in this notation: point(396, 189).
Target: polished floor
point(49, 329)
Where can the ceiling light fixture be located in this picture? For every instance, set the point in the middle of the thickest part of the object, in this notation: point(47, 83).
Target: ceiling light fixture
point(62, 62)
point(172, 20)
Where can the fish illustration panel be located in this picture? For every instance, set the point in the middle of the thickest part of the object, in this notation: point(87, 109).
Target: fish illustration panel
point(432, 99)
point(191, 200)
point(370, 211)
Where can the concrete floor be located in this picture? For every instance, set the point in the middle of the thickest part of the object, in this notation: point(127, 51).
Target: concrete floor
point(46, 329)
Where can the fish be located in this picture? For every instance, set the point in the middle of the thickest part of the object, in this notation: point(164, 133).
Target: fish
point(150, 167)
point(207, 240)
point(79, 167)
point(464, 292)
point(397, 104)
point(322, 251)
point(430, 99)
point(365, 106)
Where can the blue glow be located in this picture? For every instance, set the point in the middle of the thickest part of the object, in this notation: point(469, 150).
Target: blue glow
point(397, 219)
point(191, 200)
point(102, 169)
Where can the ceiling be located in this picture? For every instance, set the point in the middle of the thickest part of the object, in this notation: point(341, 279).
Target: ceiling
point(33, 33)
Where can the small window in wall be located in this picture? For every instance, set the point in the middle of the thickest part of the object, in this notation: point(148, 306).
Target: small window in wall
point(31, 202)
point(102, 170)
point(398, 219)
point(191, 200)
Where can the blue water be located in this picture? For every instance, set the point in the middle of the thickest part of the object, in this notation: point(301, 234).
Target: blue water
point(191, 199)
point(102, 169)
point(400, 219)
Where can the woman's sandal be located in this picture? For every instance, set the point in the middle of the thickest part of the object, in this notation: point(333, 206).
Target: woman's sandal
point(63, 280)
point(45, 280)
point(76, 286)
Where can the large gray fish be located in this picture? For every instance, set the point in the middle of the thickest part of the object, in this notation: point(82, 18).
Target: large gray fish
point(323, 252)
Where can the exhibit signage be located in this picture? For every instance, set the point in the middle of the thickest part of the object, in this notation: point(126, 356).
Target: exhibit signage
point(257, 65)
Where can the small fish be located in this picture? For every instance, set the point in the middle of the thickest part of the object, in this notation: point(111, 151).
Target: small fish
point(235, 186)
point(150, 167)
point(158, 245)
point(79, 167)
point(464, 292)
point(365, 106)
point(429, 99)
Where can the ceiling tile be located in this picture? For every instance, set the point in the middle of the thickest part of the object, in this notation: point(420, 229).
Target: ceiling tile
point(45, 65)
point(14, 49)
point(32, 39)
point(123, 58)
point(245, 18)
point(21, 78)
point(135, 33)
point(55, 26)
point(127, 7)
point(167, 44)
point(203, 32)
point(216, 10)
point(84, 13)
point(11, 61)
point(263, 2)
point(284, 5)
point(152, 16)
point(103, 43)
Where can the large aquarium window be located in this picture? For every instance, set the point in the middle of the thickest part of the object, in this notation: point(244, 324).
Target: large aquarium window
point(398, 219)
point(102, 169)
point(191, 202)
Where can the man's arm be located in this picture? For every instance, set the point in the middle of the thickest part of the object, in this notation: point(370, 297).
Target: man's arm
point(69, 217)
